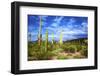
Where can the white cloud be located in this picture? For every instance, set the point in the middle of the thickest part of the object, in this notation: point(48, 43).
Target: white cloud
point(71, 21)
point(74, 32)
point(84, 25)
point(54, 24)
point(57, 21)
point(33, 33)
point(50, 28)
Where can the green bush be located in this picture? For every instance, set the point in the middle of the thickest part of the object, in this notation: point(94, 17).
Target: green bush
point(39, 53)
point(65, 48)
point(72, 49)
point(79, 47)
point(42, 55)
point(29, 53)
point(84, 51)
point(55, 52)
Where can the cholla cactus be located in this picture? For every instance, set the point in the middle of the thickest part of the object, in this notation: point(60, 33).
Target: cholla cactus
point(61, 38)
point(39, 33)
point(46, 40)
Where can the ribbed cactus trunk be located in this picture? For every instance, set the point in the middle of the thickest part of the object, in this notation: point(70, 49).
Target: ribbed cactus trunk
point(46, 40)
point(61, 38)
point(39, 33)
point(52, 38)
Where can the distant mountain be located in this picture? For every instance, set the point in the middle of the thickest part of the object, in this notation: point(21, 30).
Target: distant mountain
point(79, 39)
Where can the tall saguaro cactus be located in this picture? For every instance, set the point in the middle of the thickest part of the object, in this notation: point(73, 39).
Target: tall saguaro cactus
point(46, 40)
point(61, 38)
point(52, 38)
point(39, 33)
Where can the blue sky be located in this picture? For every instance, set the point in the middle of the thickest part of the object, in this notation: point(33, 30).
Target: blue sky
point(72, 27)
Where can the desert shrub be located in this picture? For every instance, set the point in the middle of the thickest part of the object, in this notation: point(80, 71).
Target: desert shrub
point(50, 47)
point(72, 48)
point(30, 44)
point(79, 47)
point(84, 51)
point(30, 49)
point(29, 52)
point(69, 48)
point(65, 48)
point(55, 52)
point(42, 54)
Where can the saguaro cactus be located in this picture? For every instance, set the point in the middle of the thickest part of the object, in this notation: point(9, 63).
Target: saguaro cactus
point(39, 33)
point(52, 38)
point(61, 38)
point(46, 40)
